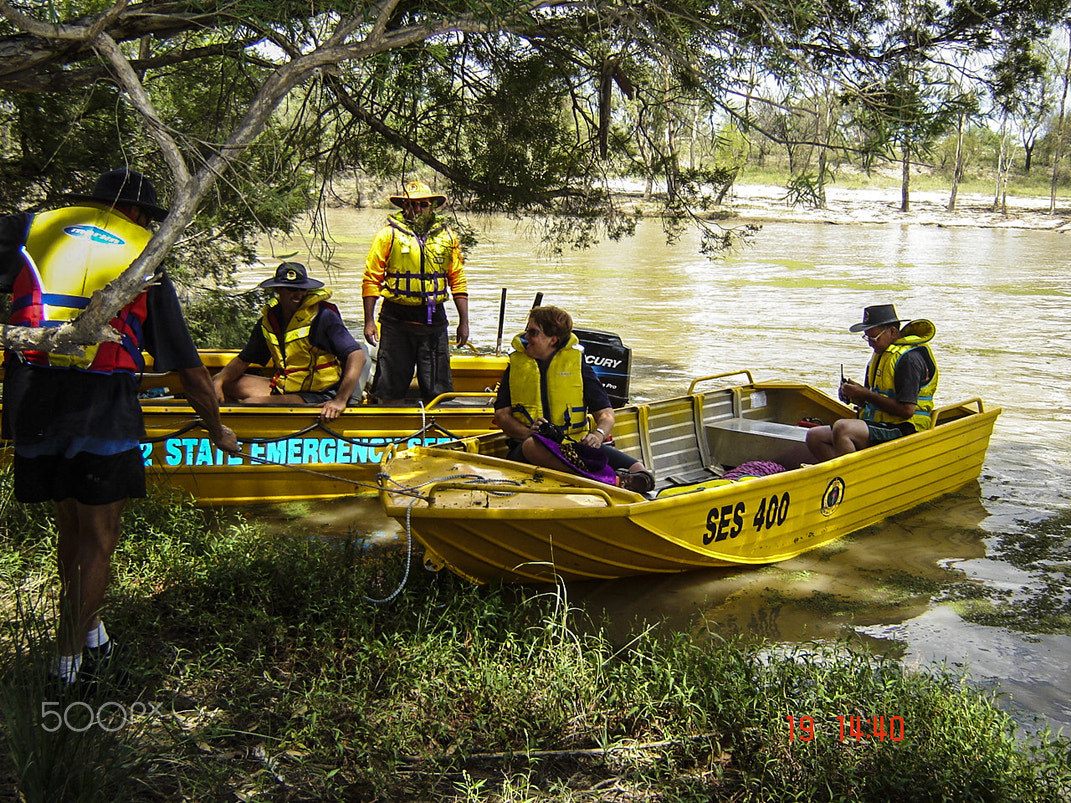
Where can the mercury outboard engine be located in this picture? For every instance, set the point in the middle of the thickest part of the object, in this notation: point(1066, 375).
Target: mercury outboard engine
point(611, 360)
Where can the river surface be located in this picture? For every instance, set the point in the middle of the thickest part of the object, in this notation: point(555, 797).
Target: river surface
point(781, 307)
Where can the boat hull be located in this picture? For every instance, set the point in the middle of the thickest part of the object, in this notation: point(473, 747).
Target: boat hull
point(488, 519)
point(288, 455)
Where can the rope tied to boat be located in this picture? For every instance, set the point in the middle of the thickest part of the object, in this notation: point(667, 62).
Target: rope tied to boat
point(408, 560)
point(412, 491)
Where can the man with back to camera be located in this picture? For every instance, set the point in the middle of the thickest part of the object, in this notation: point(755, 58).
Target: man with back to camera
point(316, 359)
point(415, 263)
point(901, 381)
point(75, 420)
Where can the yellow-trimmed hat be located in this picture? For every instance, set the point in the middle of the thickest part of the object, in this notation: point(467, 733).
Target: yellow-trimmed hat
point(292, 276)
point(417, 191)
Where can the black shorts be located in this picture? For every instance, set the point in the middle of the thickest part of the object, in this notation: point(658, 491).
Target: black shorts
point(91, 479)
point(881, 432)
point(312, 396)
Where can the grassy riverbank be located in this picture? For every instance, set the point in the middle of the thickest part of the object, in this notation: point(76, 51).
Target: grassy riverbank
point(261, 671)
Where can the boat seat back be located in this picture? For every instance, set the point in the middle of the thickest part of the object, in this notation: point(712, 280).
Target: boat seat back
point(627, 433)
point(718, 405)
point(673, 448)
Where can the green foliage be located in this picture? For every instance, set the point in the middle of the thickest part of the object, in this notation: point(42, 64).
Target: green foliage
point(276, 677)
point(805, 189)
point(222, 320)
point(522, 110)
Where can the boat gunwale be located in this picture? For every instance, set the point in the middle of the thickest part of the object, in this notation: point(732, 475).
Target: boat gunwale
point(857, 460)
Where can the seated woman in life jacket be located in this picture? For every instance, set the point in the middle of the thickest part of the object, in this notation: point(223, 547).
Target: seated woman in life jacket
point(302, 336)
point(543, 403)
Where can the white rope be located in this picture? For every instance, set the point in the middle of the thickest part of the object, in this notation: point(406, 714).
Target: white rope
point(409, 523)
point(408, 559)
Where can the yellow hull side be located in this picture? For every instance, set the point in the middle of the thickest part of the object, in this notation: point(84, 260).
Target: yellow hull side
point(522, 524)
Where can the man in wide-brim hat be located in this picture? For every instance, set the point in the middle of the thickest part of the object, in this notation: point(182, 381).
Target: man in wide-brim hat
point(302, 336)
point(901, 381)
point(415, 264)
point(414, 194)
point(75, 420)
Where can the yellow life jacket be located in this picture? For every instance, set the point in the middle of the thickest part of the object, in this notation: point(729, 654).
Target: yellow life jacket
point(416, 267)
point(881, 375)
point(68, 255)
point(564, 387)
point(298, 365)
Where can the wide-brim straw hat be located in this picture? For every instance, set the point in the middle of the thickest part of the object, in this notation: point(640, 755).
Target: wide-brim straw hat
point(418, 191)
point(124, 186)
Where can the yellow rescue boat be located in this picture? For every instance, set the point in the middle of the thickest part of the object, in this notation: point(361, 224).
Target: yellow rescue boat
point(288, 454)
point(487, 518)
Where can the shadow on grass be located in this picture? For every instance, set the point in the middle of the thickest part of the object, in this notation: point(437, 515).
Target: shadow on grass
point(267, 675)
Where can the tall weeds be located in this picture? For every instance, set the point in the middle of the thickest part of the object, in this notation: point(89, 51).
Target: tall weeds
point(264, 673)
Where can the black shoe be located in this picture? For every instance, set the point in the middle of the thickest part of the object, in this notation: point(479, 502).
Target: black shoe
point(641, 481)
point(59, 690)
point(103, 666)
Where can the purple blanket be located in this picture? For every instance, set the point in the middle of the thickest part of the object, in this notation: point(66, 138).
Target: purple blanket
point(582, 459)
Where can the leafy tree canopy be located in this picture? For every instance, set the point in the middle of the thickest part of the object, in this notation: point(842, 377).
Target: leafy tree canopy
point(245, 109)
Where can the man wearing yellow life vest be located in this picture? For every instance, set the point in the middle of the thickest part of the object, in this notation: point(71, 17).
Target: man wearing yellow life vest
point(548, 382)
point(302, 336)
point(75, 420)
point(415, 264)
point(901, 381)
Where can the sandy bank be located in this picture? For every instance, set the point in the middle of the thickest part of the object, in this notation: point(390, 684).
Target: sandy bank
point(846, 206)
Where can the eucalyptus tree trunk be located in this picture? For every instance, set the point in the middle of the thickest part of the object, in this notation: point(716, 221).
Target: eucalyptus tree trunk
point(672, 163)
point(905, 179)
point(957, 172)
point(1058, 146)
point(1000, 196)
point(826, 138)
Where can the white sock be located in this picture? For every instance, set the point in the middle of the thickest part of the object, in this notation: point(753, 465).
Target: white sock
point(97, 637)
point(67, 667)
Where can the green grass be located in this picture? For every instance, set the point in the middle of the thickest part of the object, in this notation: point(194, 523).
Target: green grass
point(264, 673)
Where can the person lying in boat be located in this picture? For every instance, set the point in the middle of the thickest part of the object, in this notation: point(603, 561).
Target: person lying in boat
point(544, 398)
point(901, 381)
point(302, 336)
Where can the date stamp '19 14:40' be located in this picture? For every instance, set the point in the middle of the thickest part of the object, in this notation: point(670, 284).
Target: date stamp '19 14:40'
point(851, 728)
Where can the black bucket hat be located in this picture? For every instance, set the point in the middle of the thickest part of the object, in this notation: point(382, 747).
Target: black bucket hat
point(291, 275)
point(124, 186)
point(878, 315)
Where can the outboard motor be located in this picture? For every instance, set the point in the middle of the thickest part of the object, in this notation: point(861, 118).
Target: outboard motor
point(611, 360)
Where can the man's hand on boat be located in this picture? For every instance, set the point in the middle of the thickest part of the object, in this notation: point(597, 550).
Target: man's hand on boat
point(202, 397)
point(332, 408)
point(226, 440)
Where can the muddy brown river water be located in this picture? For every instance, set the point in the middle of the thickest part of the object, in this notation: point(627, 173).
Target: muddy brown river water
point(1001, 302)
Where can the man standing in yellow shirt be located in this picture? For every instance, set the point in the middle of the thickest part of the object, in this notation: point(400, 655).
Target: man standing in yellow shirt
point(415, 264)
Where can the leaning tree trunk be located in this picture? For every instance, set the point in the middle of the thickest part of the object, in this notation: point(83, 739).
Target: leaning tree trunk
point(957, 173)
point(1058, 147)
point(905, 181)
